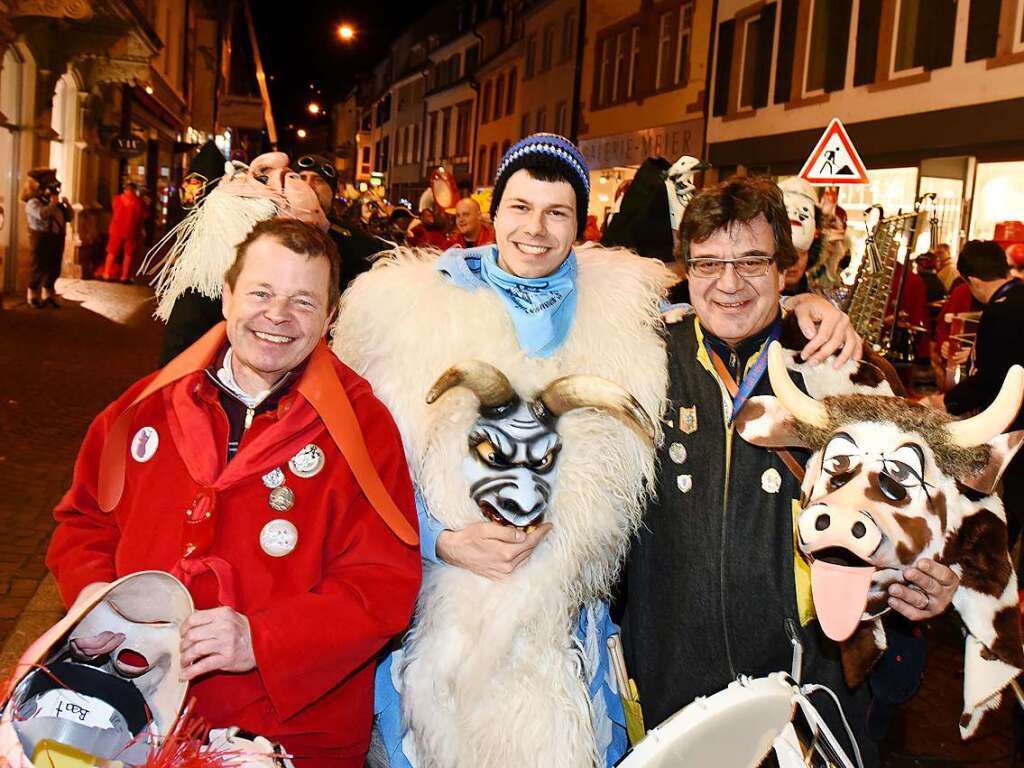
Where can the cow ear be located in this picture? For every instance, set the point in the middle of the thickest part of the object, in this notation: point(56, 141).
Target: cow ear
point(764, 422)
point(1004, 448)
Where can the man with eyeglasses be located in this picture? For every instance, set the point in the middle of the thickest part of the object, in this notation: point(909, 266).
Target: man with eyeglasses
point(714, 588)
point(356, 248)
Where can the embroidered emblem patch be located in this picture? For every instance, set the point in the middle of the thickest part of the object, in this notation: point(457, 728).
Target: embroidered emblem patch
point(144, 444)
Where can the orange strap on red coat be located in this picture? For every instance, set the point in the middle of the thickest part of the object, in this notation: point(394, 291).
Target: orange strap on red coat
point(319, 385)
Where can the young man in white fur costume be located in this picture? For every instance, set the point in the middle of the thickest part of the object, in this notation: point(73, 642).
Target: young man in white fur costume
point(525, 513)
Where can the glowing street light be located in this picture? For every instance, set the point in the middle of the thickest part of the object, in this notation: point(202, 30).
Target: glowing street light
point(314, 108)
point(346, 32)
point(301, 133)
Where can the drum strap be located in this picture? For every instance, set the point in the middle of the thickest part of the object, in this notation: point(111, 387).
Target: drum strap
point(794, 466)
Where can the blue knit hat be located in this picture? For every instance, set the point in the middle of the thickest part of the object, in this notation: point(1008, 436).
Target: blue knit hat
point(546, 152)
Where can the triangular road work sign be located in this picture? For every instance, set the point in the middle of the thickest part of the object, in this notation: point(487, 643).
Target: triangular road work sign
point(834, 159)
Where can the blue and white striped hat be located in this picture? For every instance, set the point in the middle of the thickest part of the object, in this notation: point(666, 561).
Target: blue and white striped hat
point(546, 152)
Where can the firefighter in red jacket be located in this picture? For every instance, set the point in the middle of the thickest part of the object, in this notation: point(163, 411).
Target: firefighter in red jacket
point(263, 473)
point(124, 233)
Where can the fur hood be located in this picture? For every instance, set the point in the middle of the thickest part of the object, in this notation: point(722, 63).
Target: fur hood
point(490, 674)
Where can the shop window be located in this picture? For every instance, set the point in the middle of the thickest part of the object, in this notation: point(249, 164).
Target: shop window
point(949, 194)
point(892, 188)
point(998, 196)
point(510, 106)
point(499, 96)
point(568, 36)
point(748, 64)
point(817, 48)
point(547, 48)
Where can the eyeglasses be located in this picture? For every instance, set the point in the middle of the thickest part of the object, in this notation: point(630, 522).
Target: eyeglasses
point(308, 162)
point(714, 268)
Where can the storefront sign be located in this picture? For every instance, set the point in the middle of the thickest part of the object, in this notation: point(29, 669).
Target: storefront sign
point(127, 146)
point(626, 149)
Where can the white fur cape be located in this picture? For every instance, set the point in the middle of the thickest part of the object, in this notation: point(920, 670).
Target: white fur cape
point(490, 674)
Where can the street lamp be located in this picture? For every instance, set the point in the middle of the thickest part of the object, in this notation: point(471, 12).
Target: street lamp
point(314, 108)
point(301, 133)
point(346, 32)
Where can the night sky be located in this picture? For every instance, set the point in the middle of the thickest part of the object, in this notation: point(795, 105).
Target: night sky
point(300, 47)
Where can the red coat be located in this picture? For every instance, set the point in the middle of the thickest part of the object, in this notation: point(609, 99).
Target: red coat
point(128, 214)
point(422, 237)
point(320, 614)
point(458, 240)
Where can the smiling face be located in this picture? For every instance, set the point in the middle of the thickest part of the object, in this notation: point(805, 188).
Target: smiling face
point(535, 225)
point(467, 218)
point(731, 307)
point(276, 313)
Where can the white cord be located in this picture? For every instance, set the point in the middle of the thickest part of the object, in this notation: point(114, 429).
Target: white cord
point(815, 719)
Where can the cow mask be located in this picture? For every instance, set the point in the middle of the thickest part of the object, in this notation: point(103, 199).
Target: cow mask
point(890, 482)
point(514, 446)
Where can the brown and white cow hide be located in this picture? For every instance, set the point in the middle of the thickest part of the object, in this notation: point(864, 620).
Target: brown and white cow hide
point(891, 482)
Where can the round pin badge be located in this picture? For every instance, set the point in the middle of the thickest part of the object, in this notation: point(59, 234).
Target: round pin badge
point(771, 480)
point(684, 483)
point(274, 478)
point(144, 444)
point(279, 537)
point(282, 499)
point(307, 462)
point(677, 452)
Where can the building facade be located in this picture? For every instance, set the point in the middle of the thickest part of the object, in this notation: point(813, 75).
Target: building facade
point(929, 90)
point(642, 88)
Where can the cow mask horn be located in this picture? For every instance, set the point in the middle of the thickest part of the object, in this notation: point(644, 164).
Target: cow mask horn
point(801, 406)
point(996, 418)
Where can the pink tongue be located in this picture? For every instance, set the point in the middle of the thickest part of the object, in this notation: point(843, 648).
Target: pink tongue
point(840, 596)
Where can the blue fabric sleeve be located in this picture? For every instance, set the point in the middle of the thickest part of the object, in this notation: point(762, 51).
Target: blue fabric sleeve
point(430, 529)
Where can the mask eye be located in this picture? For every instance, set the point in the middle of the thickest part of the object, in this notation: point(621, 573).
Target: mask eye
point(488, 454)
point(905, 466)
point(546, 462)
point(262, 178)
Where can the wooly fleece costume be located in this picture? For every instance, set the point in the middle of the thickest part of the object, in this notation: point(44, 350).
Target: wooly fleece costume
point(491, 674)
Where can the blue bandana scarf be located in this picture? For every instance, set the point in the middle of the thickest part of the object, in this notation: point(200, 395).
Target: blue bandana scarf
point(542, 309)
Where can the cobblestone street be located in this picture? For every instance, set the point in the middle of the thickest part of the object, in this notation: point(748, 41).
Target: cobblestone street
point(58, 369)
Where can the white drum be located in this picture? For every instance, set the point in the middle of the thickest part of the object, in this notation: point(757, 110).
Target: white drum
point(736, 728)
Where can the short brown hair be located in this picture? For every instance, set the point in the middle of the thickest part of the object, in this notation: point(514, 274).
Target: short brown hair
point(738, 200)
point(298, 237)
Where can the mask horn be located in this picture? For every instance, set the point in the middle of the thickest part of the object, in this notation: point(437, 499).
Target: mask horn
point(994, 420)
point(801, 406)
point(581, 391)
point(490, 385)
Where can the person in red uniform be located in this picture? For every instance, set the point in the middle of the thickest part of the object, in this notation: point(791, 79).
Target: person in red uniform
point(244, 468)
point(124, 234)
point(470, 229)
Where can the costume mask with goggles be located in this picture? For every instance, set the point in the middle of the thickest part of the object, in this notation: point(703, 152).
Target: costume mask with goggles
point(512, 464)
point(801, 200)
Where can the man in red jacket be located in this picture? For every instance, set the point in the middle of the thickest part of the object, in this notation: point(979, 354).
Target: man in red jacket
point(124, 234)
point(263, 473)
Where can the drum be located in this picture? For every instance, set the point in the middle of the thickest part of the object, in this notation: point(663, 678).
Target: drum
point(735, 728)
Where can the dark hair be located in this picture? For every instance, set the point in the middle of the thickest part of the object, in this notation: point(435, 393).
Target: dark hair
point(738, 200)
point(984, 260)
point(298, 237)
point(543, 168)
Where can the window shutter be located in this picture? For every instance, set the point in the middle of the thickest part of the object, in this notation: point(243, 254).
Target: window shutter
point(838, 44)
point(723, 66)
point(982, 29)
point(869, 20)
point(935, 34)
point(787, 46)
point(766, 35)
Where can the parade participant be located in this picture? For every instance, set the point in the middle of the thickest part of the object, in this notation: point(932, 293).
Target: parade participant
point(801, 204)
point(982, 264)
point(946, 267)
point(48, 215)
point(470, 229)
point(188, 284)
point(356, 247)
point(524, 517)
point(124, 234)
point(266, 476)
point(713, 588)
